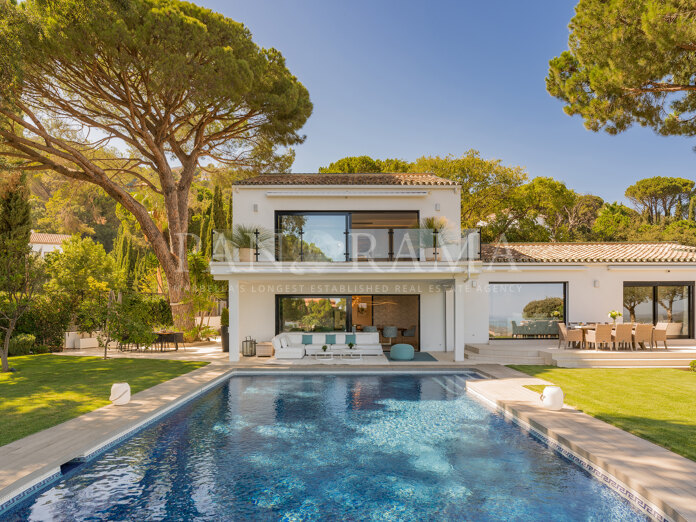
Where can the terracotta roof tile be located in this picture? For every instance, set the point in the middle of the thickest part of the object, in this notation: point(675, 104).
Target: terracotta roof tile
point(346, 179)
point(588, 253)
point(48, 239)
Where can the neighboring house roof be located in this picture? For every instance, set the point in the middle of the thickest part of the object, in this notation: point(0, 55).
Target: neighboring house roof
point(346, 179)
point(588, 253)
point(41, 238)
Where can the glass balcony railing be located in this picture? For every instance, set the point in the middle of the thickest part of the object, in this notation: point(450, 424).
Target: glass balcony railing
point(354, 245)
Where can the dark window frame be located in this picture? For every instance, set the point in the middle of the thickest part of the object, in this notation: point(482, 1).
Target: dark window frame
point(566, 305)
point(655, 285)
point(348, 227)
point(349, 308)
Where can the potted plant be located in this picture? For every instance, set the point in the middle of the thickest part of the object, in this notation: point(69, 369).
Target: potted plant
point(225, 329)
point(244, 239)
point(350, 346)
point(433, 231)
point(323, 348)
point(614, 314)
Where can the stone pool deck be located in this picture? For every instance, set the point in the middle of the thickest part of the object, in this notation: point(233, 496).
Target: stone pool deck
point(38, 457)
point(663, 478)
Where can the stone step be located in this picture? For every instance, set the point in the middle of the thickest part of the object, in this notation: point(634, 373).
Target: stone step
point(621, 355)
point(622, 363)
point(480, 350)
point(503, 359)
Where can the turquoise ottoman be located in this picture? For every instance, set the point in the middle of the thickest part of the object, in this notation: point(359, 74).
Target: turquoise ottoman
point(401, 352)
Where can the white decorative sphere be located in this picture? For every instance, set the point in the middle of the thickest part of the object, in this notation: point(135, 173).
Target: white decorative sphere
point(552, 398)
point(120, 393)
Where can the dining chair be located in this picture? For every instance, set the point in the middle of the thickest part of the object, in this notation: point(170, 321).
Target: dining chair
point(660, 334)
point(569, 336)
point(643, 334)
point(622, 335)
point(601, 335)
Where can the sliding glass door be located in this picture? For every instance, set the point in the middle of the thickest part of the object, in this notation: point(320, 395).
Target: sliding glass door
point(344, 236)
point(526, 310)
point(312, 314)
point(654, 303)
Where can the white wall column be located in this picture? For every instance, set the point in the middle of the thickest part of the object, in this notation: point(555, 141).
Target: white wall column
point(459, 311)
point(449, 318)
point(233, 307)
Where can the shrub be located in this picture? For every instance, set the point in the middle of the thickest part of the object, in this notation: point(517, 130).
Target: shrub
point(48, 319)
point(225, 317)
point(21, 344)
point(40, 348)
point(692, 365)
point(159, 310)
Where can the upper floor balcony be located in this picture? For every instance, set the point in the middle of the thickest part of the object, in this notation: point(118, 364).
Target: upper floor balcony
point(330, 246)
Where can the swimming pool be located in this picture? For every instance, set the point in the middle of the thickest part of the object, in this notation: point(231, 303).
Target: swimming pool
point(359, 447)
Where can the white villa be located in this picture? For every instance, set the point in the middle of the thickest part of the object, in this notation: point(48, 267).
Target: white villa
point(43, 243)
point(358, 254)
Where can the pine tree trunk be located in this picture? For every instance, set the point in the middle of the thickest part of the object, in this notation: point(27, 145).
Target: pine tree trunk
point(182, 309)
point(5, 352)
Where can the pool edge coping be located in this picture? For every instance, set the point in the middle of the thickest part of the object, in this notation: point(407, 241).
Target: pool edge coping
point(26, 486)
point(550, 439)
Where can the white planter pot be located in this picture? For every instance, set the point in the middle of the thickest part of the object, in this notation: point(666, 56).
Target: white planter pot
point(430, 254)
point(246, 255)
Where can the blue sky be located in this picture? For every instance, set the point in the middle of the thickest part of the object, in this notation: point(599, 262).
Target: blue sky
point(410, 78)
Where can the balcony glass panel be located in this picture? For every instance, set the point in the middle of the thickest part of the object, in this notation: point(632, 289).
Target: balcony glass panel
point(312, 237)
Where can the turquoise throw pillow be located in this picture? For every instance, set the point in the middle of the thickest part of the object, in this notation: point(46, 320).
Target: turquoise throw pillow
point(350, 338)
point(307, 339)
point(330, 338)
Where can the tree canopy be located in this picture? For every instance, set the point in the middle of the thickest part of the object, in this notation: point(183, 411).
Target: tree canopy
point(142, 93)
point(629, 62)
point(660, 196)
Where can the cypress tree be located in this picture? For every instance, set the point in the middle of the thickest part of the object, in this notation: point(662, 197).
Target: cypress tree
point(20, 273)
point(15, 212)
point(205, 226)
point(692, 208)
point(229, 212)
point(219, 221)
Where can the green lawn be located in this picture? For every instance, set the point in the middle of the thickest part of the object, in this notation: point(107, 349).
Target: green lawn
point(49, 389)
point(656, 404)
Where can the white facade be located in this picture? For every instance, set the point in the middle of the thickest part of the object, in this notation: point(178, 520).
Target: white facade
point(43, 243)
point(593, 289)
point(455, 303)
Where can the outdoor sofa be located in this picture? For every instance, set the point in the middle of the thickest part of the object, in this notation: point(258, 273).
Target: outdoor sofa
point(290, 345)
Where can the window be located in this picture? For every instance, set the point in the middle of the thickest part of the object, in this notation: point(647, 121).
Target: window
point(312, 314)
point(654, 303)
point(526, 310)
point(312, 236)
point(343, 236)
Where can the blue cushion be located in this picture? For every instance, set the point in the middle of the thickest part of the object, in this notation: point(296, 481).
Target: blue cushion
point(401, 352)
point(330, 338)
point(306, 338)
point(350, 338)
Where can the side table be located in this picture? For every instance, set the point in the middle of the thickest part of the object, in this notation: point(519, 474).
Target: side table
point(264, 349)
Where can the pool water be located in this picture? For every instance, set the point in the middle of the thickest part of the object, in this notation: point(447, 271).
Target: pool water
point(398, 447)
